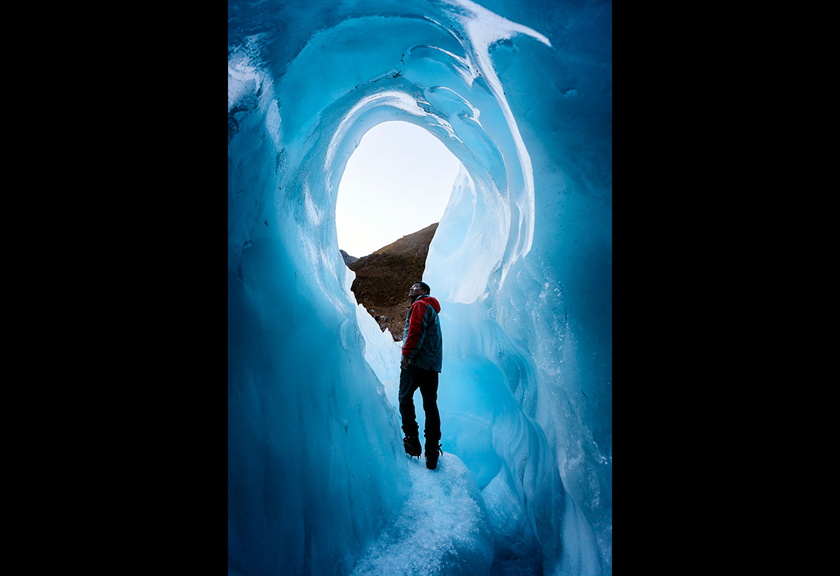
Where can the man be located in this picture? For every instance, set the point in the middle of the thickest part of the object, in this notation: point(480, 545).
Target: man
point(422, 356)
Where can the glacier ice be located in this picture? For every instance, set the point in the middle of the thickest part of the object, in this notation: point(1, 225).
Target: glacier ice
point(318, 483)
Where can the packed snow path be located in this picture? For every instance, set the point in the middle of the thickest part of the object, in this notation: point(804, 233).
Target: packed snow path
point(443, 528)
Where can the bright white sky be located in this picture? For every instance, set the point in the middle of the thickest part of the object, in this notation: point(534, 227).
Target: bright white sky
point(398, 181)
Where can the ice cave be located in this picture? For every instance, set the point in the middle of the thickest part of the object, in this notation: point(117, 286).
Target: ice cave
point(520, 92)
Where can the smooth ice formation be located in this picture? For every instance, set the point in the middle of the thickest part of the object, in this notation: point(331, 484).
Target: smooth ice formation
point(381, 352)
point(520, 93)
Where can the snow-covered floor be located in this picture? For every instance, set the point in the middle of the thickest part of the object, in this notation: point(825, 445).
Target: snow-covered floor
point(442, 529)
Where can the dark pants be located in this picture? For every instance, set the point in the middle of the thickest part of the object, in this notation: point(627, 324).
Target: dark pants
point(411, 379)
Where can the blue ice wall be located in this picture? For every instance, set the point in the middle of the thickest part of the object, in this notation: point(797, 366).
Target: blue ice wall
point(520, 92)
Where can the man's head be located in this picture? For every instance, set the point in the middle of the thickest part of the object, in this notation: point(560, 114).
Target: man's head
point(417, 289)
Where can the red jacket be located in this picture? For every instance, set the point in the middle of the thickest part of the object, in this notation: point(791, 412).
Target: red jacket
point(422, 338)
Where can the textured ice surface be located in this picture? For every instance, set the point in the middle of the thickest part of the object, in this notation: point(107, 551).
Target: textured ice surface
point(382, 353)
point(520, 93)
point(442, 529)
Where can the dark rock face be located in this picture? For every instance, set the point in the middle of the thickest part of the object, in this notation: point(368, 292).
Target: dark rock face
point(384, 278)
point(347, 258)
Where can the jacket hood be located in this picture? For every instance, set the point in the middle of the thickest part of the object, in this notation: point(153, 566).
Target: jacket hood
point(432, 300)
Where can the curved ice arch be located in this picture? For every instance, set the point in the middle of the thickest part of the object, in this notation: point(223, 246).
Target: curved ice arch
point(352, 56)
point(483, 136)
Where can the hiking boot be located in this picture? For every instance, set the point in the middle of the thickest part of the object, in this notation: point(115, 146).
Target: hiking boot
point(412, 446)
point(432, 453)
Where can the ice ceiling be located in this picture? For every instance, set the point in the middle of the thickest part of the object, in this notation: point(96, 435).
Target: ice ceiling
point(520, 93)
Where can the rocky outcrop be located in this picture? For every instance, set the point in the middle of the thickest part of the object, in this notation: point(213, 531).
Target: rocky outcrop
point(347, 258)
point(384, 278)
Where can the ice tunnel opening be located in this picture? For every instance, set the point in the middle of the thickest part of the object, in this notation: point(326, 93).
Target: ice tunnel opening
point(391, 197)
point(397, 182)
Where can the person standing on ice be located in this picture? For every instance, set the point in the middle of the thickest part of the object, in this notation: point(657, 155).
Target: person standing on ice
point(422, 357)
